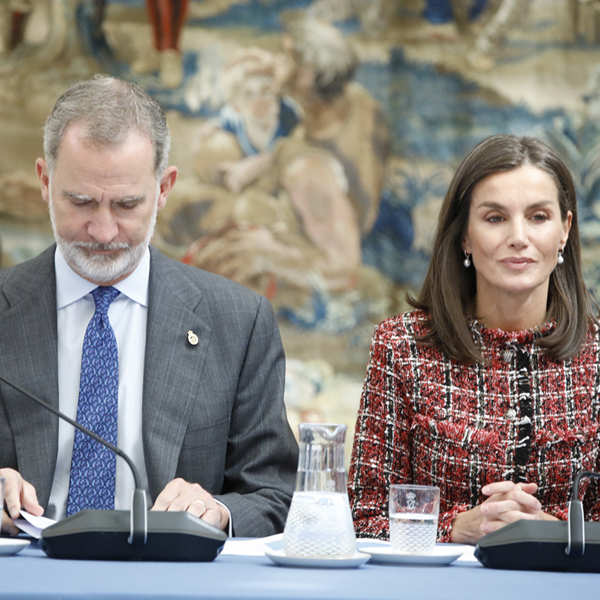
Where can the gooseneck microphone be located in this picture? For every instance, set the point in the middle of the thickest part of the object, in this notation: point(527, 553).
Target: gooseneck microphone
point(576, 540)
point(139, 523)
point(123, 535)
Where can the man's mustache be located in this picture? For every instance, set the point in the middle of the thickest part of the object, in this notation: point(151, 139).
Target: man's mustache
point(101, 247)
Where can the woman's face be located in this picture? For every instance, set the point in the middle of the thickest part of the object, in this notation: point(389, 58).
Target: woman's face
point(514, 233)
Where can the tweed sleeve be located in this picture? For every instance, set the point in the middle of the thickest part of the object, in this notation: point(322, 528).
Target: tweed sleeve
point(380, 454)
point(591, 499)
point(446, 521)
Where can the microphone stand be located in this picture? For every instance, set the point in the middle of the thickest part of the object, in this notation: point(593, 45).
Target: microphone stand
point(576, 539)
point(99, 534)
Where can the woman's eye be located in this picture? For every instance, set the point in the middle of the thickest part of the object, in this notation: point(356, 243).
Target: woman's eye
point(494, 219)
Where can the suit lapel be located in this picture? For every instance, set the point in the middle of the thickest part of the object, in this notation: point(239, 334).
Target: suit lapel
point(172, 363)
point(29, 359)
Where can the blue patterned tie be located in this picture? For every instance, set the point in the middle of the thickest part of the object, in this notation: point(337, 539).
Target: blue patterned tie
point(92, 483)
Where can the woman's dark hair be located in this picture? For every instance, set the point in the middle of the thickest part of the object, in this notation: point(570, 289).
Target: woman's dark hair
point(449, 289)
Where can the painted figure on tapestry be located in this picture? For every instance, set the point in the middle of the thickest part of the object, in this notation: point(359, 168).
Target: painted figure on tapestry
point(490, 30)
point(14, 14)
point(255, 116)
point(167, 18)
point(340, 116)
point(285, 204)
point(22, 56)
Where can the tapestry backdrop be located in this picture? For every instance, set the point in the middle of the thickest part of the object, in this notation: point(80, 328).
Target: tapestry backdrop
point(315, 140)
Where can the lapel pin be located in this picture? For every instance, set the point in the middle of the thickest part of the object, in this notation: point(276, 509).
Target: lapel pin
point(192, 338)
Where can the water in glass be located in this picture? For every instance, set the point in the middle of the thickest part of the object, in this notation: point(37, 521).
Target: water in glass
point(413, 532)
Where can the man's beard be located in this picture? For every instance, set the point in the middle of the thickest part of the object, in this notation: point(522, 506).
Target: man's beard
point(102, 268)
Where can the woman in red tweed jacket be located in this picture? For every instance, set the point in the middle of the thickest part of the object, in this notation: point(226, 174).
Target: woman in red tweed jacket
point(489, 389)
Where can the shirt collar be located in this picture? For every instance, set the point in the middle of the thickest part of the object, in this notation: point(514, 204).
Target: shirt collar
point(523, 336)
point(71, 287)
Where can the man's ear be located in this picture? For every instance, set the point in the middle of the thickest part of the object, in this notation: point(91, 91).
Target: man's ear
point(167, 181)
point(41, 169)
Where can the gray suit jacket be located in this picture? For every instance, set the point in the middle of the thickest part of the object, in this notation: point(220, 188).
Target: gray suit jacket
point(212, 413)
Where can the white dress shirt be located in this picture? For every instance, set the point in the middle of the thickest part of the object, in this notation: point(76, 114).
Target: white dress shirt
point(128, 316)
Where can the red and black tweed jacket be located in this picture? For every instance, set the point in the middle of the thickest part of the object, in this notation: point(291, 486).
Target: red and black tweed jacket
point(518, 415)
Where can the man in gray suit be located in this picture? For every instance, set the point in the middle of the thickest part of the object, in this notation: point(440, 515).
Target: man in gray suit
point(200, 360)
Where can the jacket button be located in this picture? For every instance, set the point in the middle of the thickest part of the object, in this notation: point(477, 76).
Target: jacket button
point(507, 355)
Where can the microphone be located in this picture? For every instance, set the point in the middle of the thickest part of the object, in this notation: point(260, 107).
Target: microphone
point(137, 534)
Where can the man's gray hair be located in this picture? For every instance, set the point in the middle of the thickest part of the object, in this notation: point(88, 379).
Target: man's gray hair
point(110, 108)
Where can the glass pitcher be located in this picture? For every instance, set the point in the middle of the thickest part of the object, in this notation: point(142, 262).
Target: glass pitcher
point(319, 523)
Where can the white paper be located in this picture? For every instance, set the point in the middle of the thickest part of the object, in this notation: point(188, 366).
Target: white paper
point(33, 525)
point(249, 547)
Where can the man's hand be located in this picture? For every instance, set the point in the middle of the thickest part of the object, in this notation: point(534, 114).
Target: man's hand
point(18, 494)
point(191, 497)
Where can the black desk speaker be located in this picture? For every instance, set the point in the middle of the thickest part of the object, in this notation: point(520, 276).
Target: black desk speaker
point(538, 545)
point(104, 535)
point(571, 545)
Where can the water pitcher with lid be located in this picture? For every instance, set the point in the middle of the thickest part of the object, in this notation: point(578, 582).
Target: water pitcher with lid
point(319, 523)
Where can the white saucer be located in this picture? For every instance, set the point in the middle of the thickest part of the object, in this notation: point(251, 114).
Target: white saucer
point(279, 557)
point(10, 546)
point(442, 554)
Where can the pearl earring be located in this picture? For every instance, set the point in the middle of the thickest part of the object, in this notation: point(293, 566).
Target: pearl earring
point(467, 261)
point(560, 259)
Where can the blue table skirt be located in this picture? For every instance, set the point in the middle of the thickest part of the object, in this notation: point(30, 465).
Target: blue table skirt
point(30, 574)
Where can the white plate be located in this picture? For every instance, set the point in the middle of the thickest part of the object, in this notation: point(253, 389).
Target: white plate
point(279, 557)
point(442, 554)
point(10, 546)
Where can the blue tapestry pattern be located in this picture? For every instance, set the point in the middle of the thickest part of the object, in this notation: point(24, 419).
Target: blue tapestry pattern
point(93, 466)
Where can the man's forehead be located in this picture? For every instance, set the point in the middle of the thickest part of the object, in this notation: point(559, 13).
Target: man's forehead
point(84, 150)
point(95, 136)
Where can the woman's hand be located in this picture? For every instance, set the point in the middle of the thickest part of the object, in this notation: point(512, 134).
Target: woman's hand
point(506, 502)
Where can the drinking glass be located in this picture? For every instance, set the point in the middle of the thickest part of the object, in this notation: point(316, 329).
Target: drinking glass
point(414, 513)
point(319, 523)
